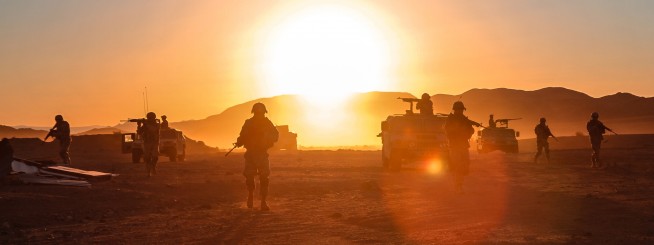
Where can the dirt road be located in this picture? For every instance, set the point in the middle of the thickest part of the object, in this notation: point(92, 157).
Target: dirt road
point(330, 197)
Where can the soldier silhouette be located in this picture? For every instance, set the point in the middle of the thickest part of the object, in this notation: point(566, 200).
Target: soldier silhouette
point(164, 121)
point(149, 131)
point(542, 133)
point(596, 130)
point(61, 132)
point(425, 106)
point(459, 130)
point(491, 122)
point(258, 134)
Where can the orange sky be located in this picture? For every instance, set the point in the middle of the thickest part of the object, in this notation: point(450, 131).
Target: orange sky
point(90, 60)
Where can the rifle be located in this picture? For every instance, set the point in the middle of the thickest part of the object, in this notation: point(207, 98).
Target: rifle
point(557, 140)
point(611, 131)
point(230, 151)
point(476, 124)
point(49, 134)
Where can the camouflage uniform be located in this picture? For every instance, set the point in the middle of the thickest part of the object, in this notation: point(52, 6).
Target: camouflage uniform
point(150, 133)
point(542, 133)
point(61, 132)
point(596, 129)
point(459, 130)
point(258, 134)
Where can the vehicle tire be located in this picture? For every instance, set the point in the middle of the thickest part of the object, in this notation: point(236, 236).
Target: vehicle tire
point(172, 155)
point(385, 159)
point(136, 155)
point(395, 161)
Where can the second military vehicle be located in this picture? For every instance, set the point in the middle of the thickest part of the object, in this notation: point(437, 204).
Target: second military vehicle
point(172, 143)
point(287, 139)
point(412, 137)
point(500, 138)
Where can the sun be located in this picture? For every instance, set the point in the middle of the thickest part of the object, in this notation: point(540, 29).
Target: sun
point(325, 53)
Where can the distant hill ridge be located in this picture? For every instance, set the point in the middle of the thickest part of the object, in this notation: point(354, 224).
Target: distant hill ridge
point(357, 121)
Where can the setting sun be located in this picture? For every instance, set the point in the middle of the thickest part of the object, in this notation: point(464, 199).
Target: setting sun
point(325, 52)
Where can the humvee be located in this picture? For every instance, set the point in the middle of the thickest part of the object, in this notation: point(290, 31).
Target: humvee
point(171, 144)
point(500, 138)
point(413, 137)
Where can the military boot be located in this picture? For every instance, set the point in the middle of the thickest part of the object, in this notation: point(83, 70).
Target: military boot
point(264, 206)
point(250, 200)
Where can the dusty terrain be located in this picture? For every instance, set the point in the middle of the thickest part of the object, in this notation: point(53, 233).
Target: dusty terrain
point(331, 197)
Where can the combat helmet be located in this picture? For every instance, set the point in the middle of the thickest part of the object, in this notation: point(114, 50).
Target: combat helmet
point(542, 119)
point(594, 115)
point(151, 115)
point(425, 96)
point(259, 106)
point(59, 118)
point(458, 106)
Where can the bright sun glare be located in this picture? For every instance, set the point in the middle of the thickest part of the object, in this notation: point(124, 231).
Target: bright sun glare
point(325, 53)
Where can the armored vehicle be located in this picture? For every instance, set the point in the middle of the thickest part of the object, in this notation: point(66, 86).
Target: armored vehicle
point(413, 137)
point(172, 143)
point(287, 139)
point(500, 138)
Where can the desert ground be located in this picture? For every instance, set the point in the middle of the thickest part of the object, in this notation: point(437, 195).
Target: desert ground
point(342, 197)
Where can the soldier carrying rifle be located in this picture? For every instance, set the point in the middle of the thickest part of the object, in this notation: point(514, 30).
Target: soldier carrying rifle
point(459, 130)
point(596, 131)
point(61, 132)
point(258, 134)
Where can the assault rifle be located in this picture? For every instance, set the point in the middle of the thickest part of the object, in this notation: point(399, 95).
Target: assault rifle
point(49, 133)
point(230, 151)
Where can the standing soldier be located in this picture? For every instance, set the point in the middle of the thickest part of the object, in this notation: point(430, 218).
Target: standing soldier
point(459, 130)
point(425, 106)
point(61, 131)
point(149, 131)
point(596, 129)
point(491, 122)
point(164, 121)
point(542, 133)
point(257, 135)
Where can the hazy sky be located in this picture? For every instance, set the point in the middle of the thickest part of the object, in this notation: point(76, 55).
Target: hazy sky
point(90, 60)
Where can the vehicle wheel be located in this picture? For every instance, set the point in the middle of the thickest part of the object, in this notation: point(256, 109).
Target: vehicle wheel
point(384, 159)
point(395, 161)
point(136, 156)
point(172, 155)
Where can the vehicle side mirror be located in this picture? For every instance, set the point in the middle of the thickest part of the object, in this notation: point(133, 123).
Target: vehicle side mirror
point(517, 134)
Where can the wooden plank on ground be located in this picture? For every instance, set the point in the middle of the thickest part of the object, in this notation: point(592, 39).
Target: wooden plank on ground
point(79, 173)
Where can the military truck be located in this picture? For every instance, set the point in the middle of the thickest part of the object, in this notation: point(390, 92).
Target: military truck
point(287, 140)
point(412, 137)
point(500, 138)
point(172, 144)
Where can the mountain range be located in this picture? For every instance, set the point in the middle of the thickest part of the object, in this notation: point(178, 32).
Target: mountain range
point(356, 121)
